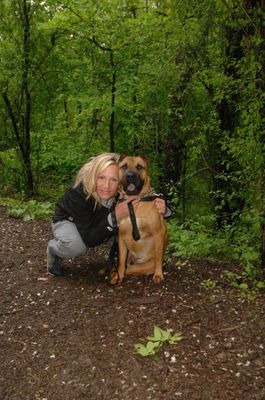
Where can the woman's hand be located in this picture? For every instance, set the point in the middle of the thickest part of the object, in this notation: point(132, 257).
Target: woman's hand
point(160, 205)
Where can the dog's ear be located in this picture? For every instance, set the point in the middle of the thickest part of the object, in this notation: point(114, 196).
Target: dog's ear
point(122, 194)
point(122, 156)
point(146, 189)
point(144, 158)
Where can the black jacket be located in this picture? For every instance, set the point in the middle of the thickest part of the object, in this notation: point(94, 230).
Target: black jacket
point(91, 223)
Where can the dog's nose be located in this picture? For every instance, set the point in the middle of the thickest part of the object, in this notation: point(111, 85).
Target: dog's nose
point(130, 175)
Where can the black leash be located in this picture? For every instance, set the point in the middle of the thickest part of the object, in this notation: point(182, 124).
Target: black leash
point(113, 254)
point(135, 231)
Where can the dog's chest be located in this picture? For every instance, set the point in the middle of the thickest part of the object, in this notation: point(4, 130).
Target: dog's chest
point(145, 215)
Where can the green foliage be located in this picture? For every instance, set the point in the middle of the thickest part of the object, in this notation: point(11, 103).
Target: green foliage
point(249, 286)
point(209, 284)
point(155, 342)
point(200, 239)
point(11, 172)
point(29, 210)
point(193, 238)
point(240, 282)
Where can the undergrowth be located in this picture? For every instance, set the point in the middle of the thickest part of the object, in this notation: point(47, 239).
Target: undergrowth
point(27, 210)
point(195, 239)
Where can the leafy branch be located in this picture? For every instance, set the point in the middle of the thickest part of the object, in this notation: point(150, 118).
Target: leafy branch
point(155, 343)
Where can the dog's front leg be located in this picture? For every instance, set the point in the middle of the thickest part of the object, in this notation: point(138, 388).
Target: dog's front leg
point(118, 275)
point(159, 253)
point(122, 259)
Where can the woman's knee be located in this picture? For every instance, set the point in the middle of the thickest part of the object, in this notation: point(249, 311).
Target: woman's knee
point(68, 240)
point(73, 248)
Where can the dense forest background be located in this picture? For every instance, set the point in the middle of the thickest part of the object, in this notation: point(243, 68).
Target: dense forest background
point(181, 82)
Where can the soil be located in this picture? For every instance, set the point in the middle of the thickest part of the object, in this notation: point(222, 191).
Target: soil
point(73, 337)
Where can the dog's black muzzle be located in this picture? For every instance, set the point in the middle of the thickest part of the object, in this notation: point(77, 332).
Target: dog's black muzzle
point(132, 183)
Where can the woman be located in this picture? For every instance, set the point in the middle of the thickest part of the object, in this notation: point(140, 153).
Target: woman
point(85, 215)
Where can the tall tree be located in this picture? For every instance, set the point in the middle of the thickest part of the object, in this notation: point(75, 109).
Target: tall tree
point(19, 109)
point(22, 56)
point(260, 6)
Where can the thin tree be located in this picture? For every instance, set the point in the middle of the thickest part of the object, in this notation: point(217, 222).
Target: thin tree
point(19, 111)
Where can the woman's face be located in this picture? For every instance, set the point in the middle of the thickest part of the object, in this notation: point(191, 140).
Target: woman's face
point(107, 182)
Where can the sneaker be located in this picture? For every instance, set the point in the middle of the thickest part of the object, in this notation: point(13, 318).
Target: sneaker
point(54, 264)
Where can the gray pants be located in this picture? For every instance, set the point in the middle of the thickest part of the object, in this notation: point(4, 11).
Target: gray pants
point(67, 242)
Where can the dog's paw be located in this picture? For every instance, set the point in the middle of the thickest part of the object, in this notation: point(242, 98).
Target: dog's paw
point(114, 278)
point(158, 278)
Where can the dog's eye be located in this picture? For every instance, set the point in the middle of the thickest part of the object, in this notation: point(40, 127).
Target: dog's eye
point(139, 167)
point(124, 167)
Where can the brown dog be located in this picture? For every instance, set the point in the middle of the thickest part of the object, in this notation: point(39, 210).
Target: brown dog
point(142, 255)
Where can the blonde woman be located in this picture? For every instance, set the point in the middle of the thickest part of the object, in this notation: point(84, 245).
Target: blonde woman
point(84, 216)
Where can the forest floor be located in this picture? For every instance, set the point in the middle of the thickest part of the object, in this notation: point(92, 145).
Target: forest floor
point(73, 337)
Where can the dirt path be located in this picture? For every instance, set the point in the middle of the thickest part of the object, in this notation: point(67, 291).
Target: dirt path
point(72, 338)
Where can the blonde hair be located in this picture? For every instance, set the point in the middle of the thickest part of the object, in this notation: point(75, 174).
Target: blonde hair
point(87, 175)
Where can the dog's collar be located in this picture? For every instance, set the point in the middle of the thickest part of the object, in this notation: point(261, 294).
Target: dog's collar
point(151, 197)
point(146, 197)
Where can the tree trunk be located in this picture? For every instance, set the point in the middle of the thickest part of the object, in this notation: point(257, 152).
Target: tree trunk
point(175, 147)
point(21, 145)
point(262, 130)
point(26, 94)
point(20, 116)
point(227, 200)
point(113, 99)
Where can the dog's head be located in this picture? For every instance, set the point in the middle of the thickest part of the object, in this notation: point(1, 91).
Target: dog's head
point(133, 175)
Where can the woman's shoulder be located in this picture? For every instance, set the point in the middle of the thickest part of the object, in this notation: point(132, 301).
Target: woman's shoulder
point(77, 194)
point(78, 189)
